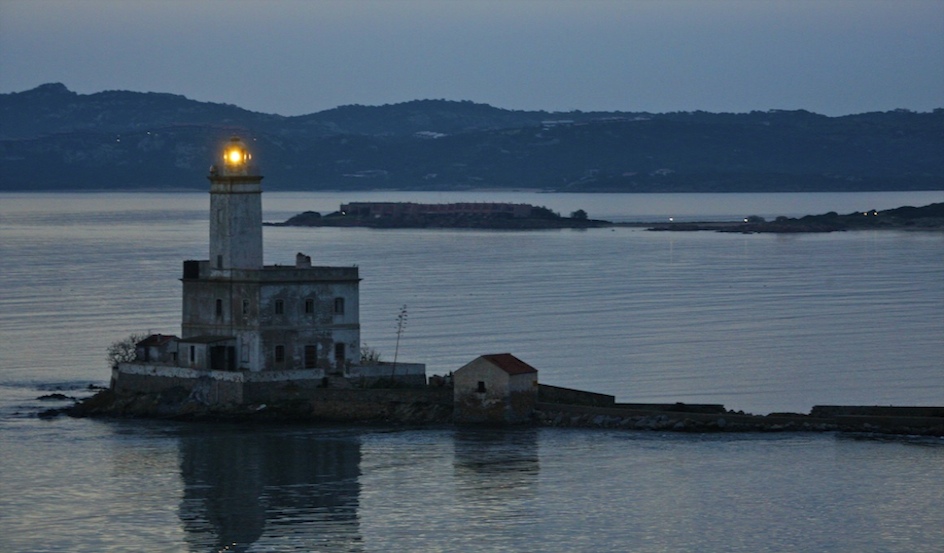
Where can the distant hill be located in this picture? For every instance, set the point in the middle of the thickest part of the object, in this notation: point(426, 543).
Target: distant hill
point(54, 139)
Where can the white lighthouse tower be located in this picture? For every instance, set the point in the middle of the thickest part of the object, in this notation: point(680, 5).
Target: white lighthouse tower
point(235, 211)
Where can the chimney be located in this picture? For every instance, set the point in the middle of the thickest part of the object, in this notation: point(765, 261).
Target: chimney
point(302, 261)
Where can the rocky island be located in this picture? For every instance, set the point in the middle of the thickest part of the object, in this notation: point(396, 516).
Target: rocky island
point(507, 216)
point(433, 405)
point(466, 215)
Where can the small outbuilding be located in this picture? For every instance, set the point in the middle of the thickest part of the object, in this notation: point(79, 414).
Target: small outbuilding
point(495, 389)
point(157, 349)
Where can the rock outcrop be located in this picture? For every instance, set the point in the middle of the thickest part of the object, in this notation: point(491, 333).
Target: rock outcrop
point(434, 407)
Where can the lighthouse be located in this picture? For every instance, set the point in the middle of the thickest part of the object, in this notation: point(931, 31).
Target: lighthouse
point(251, 332)
point(235, 210)
point(240, 315)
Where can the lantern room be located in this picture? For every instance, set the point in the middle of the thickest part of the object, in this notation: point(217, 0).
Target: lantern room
point(236, 158)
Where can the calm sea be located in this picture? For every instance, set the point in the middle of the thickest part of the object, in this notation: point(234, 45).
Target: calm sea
point(760, 323)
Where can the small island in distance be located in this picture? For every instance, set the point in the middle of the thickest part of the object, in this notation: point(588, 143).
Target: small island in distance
point(507, 216)
point(464, 215)
point(929, 217)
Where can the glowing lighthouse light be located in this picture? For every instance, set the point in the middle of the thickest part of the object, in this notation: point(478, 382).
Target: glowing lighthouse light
point(235, 158)
point(235, 153)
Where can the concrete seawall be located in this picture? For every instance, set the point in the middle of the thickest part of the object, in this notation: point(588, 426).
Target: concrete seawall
point(684, 418)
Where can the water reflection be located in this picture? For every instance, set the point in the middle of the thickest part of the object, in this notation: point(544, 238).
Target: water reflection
point(266, 486)
point(496, 474)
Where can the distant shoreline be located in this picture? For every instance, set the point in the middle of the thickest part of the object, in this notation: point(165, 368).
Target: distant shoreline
point(459, 215)
point(927, 218)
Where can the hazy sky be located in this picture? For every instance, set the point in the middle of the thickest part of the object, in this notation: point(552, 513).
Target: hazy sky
point(301, 56)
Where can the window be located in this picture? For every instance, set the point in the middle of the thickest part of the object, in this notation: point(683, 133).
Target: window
point(219, 262)
point(311, 357)
point(339, 354)
point(219, 308)
point(481, 388)
point(338, 306)
point(279, 354)
point(245, 307)
point(309, 306)
point(193, 354)
point(279, 307)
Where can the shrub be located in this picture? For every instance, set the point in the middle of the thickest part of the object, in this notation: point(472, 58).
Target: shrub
point(123, 351)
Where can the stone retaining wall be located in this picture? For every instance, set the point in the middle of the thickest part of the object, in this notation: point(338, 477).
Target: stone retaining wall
point(708, 408)
point(151, 379)
point(584, 416)
point(556, 394)
point(875, 411)
point(235, 387)
point(404, 405)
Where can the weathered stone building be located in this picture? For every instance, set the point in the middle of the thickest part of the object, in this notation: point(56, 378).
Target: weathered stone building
point(241, 314)
point(250, 328)
point(495, 389)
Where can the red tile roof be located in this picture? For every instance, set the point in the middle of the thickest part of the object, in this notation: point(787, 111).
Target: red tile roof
point(509, 363)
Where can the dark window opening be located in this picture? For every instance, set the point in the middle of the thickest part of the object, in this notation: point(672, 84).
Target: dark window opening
point(309, 306)
point(193, 354)
point(338, 306)
point(339, 354)
point(481, 388)
point(219, 262)
point(219, 308)
point(279, 307)
point(191, 269)
point(245, 307)
point(279, 354)
point(311, 357)
point(222, 358)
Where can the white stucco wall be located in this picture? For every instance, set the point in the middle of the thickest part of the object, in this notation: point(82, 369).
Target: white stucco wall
point(142, 369)
point(166, 371)
point(507, 398)
point(386, 370)
point(465, 379)
point(236, 224)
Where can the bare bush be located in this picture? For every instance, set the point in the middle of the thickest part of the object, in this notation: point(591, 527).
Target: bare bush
point(123, 351)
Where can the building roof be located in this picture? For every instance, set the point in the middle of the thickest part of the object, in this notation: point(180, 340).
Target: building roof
point(156, 340)
point(509, 363)
point(206, 339)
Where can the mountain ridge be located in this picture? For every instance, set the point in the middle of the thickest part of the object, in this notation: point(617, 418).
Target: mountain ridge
point(52, 138)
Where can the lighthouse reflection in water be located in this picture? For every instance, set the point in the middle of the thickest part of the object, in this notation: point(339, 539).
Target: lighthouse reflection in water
point(242, 483)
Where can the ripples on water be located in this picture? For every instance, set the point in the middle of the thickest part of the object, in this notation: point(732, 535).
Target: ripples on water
point(756, 322)
point(204, 487)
